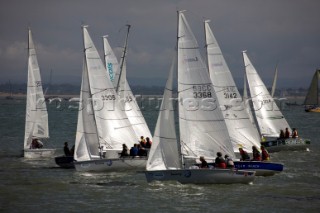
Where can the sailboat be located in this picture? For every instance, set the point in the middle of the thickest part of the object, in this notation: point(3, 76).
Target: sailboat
point(102, 126)
point(312, 99)
point(10, 96)
point(117, 74)
point(201, 125)
point(243, 133)
point(269, 118)
point(36, 126)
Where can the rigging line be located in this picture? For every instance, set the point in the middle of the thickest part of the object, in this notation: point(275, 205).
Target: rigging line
point(187, 148)
point(108, 145)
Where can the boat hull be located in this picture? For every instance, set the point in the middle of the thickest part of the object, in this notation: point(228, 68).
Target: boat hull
point(313, 109)
point(260, 167)
point(115, 164)
point(288, 144)
point(202, 176)
point(65, 161)
point(39, 153)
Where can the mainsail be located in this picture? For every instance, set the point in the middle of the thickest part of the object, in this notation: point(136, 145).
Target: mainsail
point(241, 130)
point(36, 125)
point(269, 117)
point(128, 100)
point(312, 97)
point(203, 131)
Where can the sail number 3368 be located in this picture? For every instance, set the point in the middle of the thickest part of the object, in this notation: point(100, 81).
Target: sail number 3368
point(202, 91)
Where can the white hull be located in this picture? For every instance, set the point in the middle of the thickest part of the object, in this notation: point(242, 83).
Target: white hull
point(289, 144)
point(39, 153)
point(202, 176)
point(115, 164)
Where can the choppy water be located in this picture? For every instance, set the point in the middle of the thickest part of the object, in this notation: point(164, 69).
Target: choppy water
point(41, 186)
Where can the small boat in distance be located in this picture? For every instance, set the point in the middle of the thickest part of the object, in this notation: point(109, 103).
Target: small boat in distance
point(203, 132)
point(312, 99)
point(36, 126)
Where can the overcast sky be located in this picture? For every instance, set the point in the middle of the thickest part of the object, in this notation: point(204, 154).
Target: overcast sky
point(283, 31)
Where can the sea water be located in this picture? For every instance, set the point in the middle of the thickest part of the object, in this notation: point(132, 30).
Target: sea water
point(41, 186)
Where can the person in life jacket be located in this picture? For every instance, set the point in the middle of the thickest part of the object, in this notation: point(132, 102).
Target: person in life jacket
point(229, 161)
point(294, 133)
point(244, 155)
point(265, 154)
point(219, 161)
point(204, 163)
point(287, 133)
point(256, 154)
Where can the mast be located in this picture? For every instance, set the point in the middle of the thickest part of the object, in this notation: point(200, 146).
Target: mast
point(177, 56)
point(123, 56)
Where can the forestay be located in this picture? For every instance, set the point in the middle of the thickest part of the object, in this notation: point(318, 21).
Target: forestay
point(269, 117)
point(203, 131)
point(36, 125)
point(242, 131)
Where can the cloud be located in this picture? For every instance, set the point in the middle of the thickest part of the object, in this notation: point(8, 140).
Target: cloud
point(272, 31)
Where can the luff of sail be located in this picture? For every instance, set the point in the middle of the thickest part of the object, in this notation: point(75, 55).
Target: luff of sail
point(164, 153)
point(203, 131)
point(113, 127)
point(36, 125)
point(269, 117)
point(241, 130)
point(128, 101)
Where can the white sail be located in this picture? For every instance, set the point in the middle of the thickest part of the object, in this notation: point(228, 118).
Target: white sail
point(241, 130)
point(312, 97)
point(87, 140)
point(111, 61)
point(164, 152)
point(113, 127)
point(128, 100)
point(203, 131)
point(36, 125)
point(274, 84)
point(269, 117)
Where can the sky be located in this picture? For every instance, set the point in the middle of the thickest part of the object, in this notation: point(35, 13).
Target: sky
point(283, 32)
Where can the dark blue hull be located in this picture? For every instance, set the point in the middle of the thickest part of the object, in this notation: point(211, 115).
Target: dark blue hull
point(262, 168)
point(65, 161)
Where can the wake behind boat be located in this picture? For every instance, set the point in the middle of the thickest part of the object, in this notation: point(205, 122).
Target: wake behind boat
point(202, 132)
point(36, 126)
